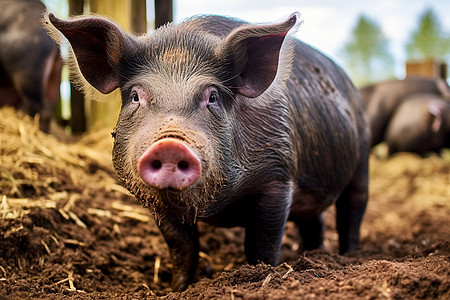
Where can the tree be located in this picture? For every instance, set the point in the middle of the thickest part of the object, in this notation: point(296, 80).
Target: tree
point(366, 55)
point(429, 40)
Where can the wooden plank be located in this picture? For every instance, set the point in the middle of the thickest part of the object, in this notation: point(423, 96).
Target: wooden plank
point(131, 16)
point(138, 16)
point(76, 7)
point(426, 68)
point(104, 114)
point(163, 12)
point(78, 113)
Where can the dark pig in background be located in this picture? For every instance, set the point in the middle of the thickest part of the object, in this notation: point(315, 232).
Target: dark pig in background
point(382, 100)
point(30, 63)
point(233, 124)
point(420, 124)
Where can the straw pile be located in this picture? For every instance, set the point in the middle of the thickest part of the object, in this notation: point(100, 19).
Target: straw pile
point(37, 170)
point(61, 208)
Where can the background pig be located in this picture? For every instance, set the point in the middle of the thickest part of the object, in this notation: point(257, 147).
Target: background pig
point(233, 124)
point(420, 124)
point(382, 100)
point(30, 64)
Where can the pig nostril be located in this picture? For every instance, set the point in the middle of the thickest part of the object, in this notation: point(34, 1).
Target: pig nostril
point(156, 164)
point(183, 165)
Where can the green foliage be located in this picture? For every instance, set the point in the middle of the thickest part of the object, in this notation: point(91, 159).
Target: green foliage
point(366, 55)
point(428, 40)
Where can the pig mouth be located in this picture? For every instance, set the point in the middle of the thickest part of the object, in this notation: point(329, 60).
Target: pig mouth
point(175, 182)
point(171, 201)
point(185, 206)
point(171, 204)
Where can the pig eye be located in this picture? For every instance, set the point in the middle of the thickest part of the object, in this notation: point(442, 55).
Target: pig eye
point(213, 97)
point(135, 97)
point(211, 100)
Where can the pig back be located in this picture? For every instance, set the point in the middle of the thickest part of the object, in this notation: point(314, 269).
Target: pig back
point(328, 121)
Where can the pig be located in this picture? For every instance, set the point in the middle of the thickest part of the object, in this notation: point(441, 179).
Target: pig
point(382, 99)
point(30, 62)
point(233, 124)
point(421, 124)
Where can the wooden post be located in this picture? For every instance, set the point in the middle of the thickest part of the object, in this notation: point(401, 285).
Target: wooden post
point(138, 16)
point(105, 113)
point(78, 114)
point(163, 12)
point(76, 7)
point(427, 68)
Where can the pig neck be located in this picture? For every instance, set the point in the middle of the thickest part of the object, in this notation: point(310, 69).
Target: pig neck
point(262, 143)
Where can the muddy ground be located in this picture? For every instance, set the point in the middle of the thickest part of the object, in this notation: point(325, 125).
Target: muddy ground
point(68, 231)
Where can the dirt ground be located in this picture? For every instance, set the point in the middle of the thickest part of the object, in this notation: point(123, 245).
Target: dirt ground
point(69, 231)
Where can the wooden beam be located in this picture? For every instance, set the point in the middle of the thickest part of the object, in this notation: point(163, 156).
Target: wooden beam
point(104, 113)
point(138, 16)
point(132, 17)
point(427, 68)
point(78, 113)
point(163, 12)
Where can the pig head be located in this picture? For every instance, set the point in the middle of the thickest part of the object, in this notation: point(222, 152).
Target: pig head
point(233, 124)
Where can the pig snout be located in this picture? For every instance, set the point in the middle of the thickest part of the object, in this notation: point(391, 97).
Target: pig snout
point(169, 163)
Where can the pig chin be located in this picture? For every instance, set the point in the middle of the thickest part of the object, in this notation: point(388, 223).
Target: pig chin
point(178, 205)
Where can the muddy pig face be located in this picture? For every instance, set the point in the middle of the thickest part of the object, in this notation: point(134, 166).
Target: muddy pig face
point(174, 146)
point(173, 128)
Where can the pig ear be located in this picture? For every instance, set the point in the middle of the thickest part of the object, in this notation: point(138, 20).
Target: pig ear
point(436, 109)
point(97, 44)
point(253, 52)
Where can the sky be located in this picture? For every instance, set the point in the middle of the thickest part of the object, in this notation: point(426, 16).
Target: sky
point(327, 24)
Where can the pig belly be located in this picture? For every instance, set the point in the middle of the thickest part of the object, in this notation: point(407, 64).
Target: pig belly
point(9, 97)
point(307, 204)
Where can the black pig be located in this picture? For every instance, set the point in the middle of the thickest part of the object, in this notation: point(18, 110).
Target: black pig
point(30, 63)
point(420, 124)
point(233, 124)
point(383, 99)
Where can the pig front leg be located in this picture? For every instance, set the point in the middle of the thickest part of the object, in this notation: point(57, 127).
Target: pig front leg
point(265, 225)
point(182, 240)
